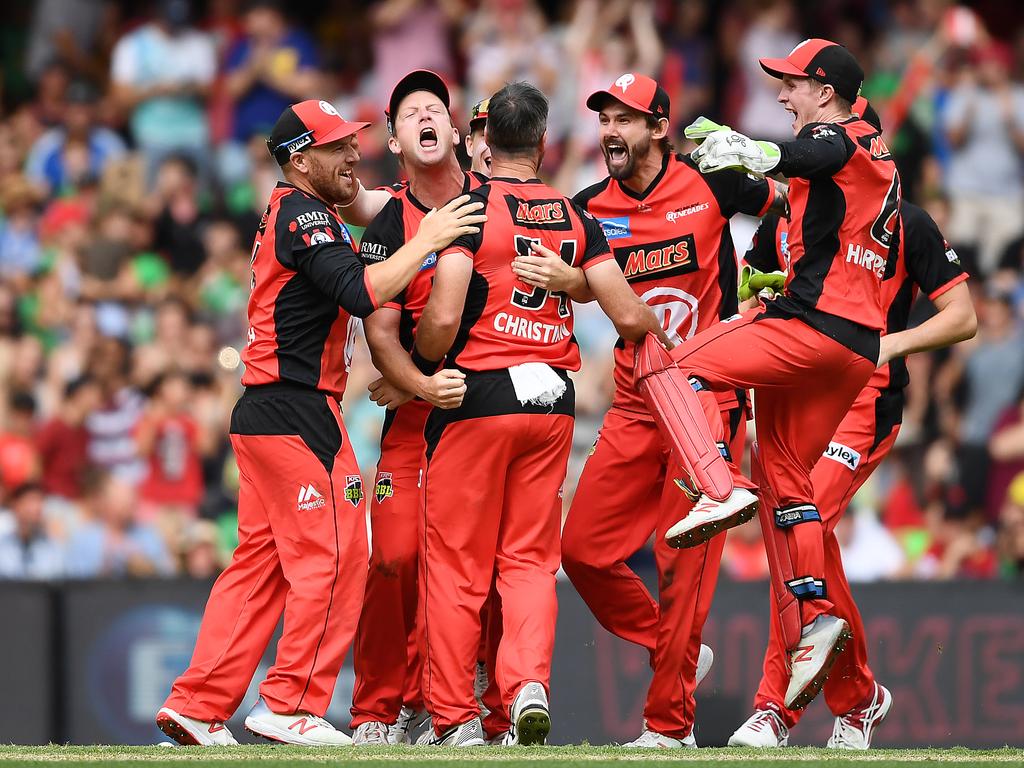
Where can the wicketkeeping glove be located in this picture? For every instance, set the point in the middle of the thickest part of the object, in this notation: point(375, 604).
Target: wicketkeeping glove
point(754, 282)
point(730, 149)
point(701, 128)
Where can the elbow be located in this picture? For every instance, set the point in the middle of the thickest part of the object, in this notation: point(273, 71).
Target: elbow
point(968, 324)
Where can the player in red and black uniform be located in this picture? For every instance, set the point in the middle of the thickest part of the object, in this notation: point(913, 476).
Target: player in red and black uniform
point(302, 533)
point(386, 701)
point(496, 463)
point(865, 436)
point(806, 356)
point(668, 228)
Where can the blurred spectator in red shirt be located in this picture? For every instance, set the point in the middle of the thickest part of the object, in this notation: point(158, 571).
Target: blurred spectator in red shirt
point(19, 460)
point(63, 441)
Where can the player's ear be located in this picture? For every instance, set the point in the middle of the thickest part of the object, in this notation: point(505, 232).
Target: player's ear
point(299, 161)
point(455, 137)
point(393, 146)
point(827, 91)
point(468, 141)
point(660, 130)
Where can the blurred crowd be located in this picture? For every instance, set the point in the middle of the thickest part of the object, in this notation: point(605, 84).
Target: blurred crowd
point(133, 171)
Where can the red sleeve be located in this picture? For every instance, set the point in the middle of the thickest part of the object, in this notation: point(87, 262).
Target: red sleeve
point(369, 290)
point(946, 286)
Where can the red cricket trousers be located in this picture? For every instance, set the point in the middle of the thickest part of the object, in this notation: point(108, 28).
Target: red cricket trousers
point(302, 552)
point(804, 383)
point(864, 438)
point(492, 508)
point(386, 652)
point(626, 493)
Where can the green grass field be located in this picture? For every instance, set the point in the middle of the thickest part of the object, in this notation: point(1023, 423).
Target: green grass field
point(292, 757)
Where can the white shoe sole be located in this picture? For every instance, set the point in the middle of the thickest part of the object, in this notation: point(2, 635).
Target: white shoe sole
point(533, 726)
point(883, 710)
point(805, 695)
point(692, 533)
point(283, 736)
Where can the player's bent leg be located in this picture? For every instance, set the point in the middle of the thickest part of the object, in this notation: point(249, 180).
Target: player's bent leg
point(613, 513)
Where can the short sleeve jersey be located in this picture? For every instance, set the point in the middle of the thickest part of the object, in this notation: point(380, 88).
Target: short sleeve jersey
point(307, 283)
point(844, 226)
point(674, 246)
point(925, 263)
point(507, 322)
point(392, 228)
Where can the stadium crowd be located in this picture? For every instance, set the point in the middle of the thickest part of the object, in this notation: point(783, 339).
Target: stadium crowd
point(133, 171)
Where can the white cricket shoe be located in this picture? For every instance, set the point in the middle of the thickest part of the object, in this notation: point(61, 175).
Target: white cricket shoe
point(531, 720)
point(371, 733)
point(709, 518)
point(652, 740)
point(300, 728)
point(764, 728)
point(409, 720)
point(480, 683)
point(498, 740)
point(811, 661)
point(190, 732)
point(468, 734)
point(705, 658)
point(854, 729)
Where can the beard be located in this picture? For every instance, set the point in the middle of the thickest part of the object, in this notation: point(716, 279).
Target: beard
point(328, 185)
point(634, 154)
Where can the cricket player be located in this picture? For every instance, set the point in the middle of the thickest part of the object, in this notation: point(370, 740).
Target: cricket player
point(496, 464)
point(668, 227)
point(866, 435)
point(807, 355)
point(386, 703)
point(302, 548)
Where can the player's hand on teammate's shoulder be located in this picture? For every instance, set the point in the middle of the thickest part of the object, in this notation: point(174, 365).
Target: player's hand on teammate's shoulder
point(459, 217)
point(444, 389)
point(543, 268)
point(387, 395)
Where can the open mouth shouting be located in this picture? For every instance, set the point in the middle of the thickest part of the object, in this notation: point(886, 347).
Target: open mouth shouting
point(616, 154)
point(428, 138)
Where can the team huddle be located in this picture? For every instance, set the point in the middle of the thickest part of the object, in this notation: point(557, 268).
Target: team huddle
point(465, 282)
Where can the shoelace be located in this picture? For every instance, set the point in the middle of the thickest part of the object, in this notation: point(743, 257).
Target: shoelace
point(843, 732)
point(375, 728)
point(766, 719)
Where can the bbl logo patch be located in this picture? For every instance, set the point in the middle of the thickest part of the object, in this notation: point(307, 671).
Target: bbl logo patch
point(385, 488)
point(353, 489)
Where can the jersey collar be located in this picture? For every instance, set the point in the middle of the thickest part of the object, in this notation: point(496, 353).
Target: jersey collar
point(415, 201)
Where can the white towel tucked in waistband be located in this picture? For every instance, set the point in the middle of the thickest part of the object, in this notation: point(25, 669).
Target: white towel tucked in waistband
point(536, 383)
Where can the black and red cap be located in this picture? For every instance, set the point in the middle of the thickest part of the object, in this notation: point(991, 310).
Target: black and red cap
point(308, 124)
point(478, 117)
point(825, 61)
point(636, 91)
point(417, 80)
point(867, 113)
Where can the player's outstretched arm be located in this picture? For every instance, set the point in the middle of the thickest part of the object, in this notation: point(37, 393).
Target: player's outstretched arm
point(402, 380)
point(437, 229)
point(442, 316)
point(955, 321)
point(364, 205)
point(632, 318)
point(544, 268)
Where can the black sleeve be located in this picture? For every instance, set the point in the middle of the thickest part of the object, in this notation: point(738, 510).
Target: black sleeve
point(384, 235)
point(314, 243)
point(931, 262)
point(763, 253)
point(821, 149)
point(584, 196)
point(596, 243)
point(471, 243)
point(735, 191)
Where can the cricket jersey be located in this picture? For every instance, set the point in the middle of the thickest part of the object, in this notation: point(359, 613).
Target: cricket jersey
point(674, 246)
point(307, 284)
point(925, 263)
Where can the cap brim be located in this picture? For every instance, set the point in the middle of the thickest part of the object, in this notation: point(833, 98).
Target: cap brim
point(596, 99)
point(780, 67)
point(419, 80)
point(336, 134)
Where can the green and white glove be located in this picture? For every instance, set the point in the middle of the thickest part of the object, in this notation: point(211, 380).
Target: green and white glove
point(701, 128)
point(729, 149)
point(754, 282)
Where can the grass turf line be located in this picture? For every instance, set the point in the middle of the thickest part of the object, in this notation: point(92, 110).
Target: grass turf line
point(584, 755)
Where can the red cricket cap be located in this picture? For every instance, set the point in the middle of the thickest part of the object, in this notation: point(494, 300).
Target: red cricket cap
point(637, 91)
point(825, 61)
point(308, 124)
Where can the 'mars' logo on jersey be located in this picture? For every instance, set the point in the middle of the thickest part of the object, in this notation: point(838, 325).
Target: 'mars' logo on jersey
point(539, 214)
point(677, 256)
